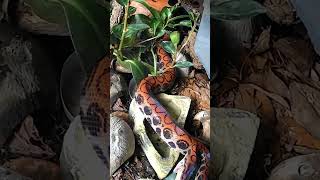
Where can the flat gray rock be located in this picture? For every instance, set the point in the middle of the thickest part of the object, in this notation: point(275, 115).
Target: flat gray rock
point(305, 167)
point(233, 135)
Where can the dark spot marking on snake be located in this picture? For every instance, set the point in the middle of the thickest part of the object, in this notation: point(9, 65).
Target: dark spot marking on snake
point(171, 144)
point(91, 120)
point(182, 144)
point(158, 130)
point(147, 110)
point(156, 120)
point(148, 120)
point(139, 99)
point(100, 154)
point(167, 133)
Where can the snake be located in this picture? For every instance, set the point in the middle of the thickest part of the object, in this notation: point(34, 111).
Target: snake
point(163, 124)
point(95, 112)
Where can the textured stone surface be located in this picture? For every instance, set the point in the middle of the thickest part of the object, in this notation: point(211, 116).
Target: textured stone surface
point(306, 167)
point(122, 143)
point(233, 134)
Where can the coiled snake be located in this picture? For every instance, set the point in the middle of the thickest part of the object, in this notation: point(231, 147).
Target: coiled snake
point(160, 120)
point(94, 113)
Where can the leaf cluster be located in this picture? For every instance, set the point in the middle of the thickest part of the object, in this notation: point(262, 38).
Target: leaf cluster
point(134, 39)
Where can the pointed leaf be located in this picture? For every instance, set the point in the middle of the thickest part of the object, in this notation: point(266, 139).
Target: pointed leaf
point(140, 19)
point(133, 29)
point(165, 13)
point(138, 69)
point(117, 30)
point(168, 47)
point(186, 23)
point(175, 38)
point(154, 25)
point(87, 23)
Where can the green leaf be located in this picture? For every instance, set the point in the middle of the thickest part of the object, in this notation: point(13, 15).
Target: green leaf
point(168, 47)
point(175, 38)
point(183, 64)
point(140, 19)
point(165, 13)
point(192, 16)
point(133, 52)
point(154, 24)
point(161, 33)
point(123, 2)
point(129, 41)
point(117, 30)
point(133, 29)
point(187, 23)
point(87, 24)
point(148, 66)
point(236, 10)
point(138, 69)
point(50, 11)
point(154, 12)
point(132, 10)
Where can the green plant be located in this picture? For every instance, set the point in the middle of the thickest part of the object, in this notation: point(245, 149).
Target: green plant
point(138, 34)
point(86, 21)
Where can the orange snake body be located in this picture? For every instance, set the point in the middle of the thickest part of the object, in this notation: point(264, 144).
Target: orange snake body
point(94, 111)
point(162, 123)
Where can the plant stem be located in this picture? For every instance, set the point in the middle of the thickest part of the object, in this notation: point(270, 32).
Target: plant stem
point(188, 38)
point(154, 62)
point(125, 24)
point(155, 37)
